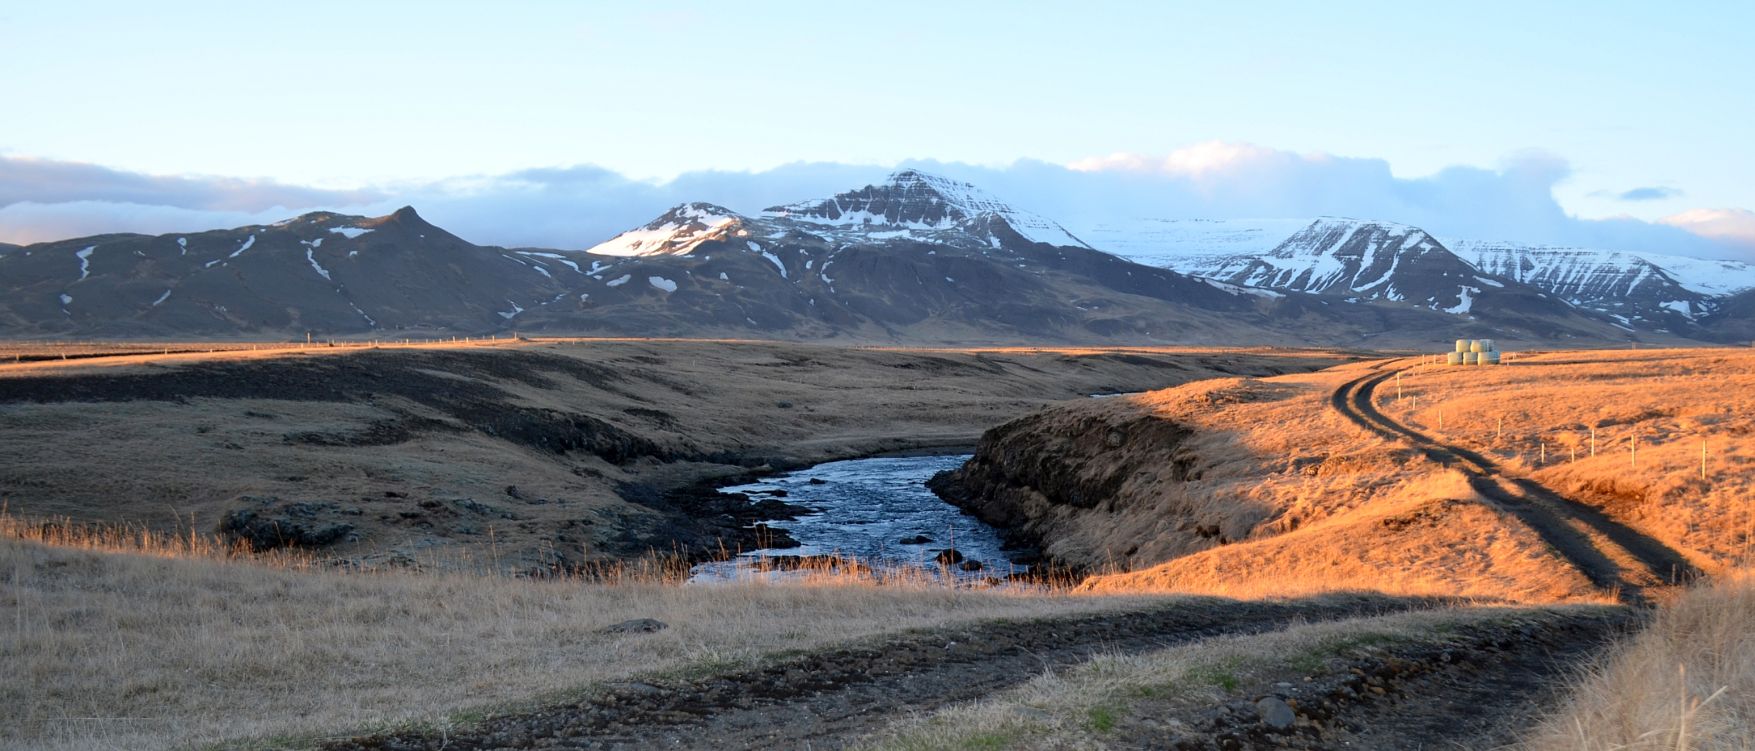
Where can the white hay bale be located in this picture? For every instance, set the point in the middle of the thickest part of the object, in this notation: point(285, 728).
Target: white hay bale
point(1471, 358)
point(1475, 346)
point(1488, 345)
point(1453, 358)
point(1489, 358)
point(1462, 345)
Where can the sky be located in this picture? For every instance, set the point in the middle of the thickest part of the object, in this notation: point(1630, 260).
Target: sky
point(1606, 115)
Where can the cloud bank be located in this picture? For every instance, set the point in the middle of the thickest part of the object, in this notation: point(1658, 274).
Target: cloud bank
point(576, 207)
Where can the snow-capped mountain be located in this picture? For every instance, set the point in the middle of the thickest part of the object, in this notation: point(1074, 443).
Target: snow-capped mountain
point(910, 205)
point(1376, 262)
point(920, 205)
point(916, 258)
point(1646, 289)
point(1357, 260)
point(914, 251)
point(678, 231)
point(1170, 242)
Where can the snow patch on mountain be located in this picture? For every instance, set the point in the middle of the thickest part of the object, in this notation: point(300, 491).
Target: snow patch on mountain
point(350, 232)
point(677, 232)
point(85, 262)
point(553, 257)
point(1466, 302)
point(311, 257)
point(661, 283)
point(912, 202)
point(1238, 289)
point(774, 259)
point(1635, 284)
point(1170, 243)
point(368, 319)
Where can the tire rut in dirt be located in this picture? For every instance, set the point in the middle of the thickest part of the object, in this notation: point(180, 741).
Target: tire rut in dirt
point(1547, 513)
point(831, 698)
point(1477, 689)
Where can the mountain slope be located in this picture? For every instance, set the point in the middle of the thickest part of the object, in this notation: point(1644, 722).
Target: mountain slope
point(1170, 242)
point(1732, 319)
point(1636, 289)
point(321, 272)
point(913, 201)
point(916, 258)
point(1387, 263)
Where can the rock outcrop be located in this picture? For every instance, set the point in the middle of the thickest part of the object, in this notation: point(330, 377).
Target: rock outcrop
point(1052, 480)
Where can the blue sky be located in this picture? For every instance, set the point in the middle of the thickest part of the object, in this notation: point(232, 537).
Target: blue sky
point(1642, 110)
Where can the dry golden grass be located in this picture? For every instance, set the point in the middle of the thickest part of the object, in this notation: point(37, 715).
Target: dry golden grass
point(1273, 490)
point(1686, 682)
point(1537, 414)
point(1274, 493)
point(182, 644)
point(1430, 537)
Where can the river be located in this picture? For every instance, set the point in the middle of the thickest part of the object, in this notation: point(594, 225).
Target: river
point(875, 511)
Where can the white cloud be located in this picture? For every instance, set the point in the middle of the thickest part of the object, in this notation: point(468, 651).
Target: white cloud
point(1209, 159)
point(1730, 225)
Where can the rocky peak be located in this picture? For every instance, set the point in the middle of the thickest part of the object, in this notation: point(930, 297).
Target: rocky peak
point(674, 232)
point(914, 200)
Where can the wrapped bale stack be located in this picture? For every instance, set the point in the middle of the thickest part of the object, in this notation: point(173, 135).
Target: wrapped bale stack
point(1474, 352)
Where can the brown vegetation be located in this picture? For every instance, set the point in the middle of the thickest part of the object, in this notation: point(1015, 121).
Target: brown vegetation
point(1687, 682)
point(112, 640)
point(1259, 486)
point(1537, 416)
point(541, 455)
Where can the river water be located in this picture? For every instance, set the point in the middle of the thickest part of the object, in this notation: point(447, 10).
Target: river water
point(866, 508)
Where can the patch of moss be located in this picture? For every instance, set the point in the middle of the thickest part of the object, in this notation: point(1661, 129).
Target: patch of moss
point(989, 741)
point(1223, 674)
point(1100, 719)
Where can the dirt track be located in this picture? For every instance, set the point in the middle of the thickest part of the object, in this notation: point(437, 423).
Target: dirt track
point(831, 699)
point(1585, 537)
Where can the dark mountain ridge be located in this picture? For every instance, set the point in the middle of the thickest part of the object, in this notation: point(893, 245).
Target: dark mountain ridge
point(917, 258)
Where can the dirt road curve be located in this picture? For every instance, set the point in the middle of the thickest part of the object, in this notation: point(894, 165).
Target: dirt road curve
point(1584, 536)
point(832, 698)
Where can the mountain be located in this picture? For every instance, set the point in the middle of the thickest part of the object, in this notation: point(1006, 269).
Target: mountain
point(320, 272)
point(1648, 290)
point(916, 258)
point(676, 232)
point(921, 205)
point(1644, 292)
point(1732, 319)
point(1388, 263)
point(1167, 242)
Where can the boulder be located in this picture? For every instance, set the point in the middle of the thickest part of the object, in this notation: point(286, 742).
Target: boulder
point(1275, 713)
point(268, 523)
